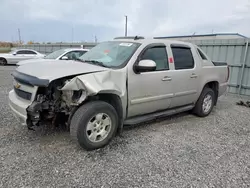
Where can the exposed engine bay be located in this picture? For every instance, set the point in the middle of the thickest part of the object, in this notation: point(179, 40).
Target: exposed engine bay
point(53, 105)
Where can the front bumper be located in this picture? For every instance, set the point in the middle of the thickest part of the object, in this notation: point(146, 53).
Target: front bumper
point(18, 106)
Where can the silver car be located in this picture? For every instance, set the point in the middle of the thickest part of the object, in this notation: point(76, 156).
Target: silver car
point(62, 54)
point(18, 55)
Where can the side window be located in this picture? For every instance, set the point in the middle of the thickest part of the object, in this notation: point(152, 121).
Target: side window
point(30, 52)
point(25, 52)
point(21, 52)
point(183, 58)
point(201, 54)
point(71, 55)
point(158, 55)
point(80, 53)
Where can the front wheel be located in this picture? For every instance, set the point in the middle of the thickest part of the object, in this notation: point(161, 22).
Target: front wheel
point(3, 61)
point(205, 103)
point(94, 124)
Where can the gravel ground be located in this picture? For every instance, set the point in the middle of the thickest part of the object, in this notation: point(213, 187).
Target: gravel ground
point(180, 151)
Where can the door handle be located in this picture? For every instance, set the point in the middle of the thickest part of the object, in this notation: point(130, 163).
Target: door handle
point(193, 76)
point(166, 78)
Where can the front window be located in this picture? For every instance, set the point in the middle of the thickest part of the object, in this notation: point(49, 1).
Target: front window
point(55, 54)
point(112, 53)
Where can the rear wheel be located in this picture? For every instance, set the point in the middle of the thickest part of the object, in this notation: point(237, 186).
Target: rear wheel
point(3, 61)
point(205, 103)
point(94, 124)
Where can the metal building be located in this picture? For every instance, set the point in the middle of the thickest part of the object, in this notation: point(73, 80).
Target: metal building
point(206, 36)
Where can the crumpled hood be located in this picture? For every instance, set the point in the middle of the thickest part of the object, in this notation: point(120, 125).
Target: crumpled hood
point(32, 61)
point(54, 69)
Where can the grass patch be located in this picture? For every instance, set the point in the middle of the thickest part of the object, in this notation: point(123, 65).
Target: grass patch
point(5, 50)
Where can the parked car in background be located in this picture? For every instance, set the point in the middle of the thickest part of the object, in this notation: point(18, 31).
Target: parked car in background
point(123, 81)
point(18, 55)
point(62, 54)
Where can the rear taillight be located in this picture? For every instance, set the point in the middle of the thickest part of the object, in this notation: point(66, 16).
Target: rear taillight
point(228, 73)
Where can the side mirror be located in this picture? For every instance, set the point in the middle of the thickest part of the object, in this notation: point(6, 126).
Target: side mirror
point(145, 66)
point(14, 53)
point(65, 58)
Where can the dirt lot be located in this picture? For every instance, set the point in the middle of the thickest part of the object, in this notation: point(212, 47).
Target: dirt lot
point(180, 151)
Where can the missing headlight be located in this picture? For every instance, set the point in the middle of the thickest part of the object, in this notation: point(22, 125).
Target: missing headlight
point(74, 97)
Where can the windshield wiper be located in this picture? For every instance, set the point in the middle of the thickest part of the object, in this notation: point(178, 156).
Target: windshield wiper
point(95, 62)
point(92, 62)
point(77, 59)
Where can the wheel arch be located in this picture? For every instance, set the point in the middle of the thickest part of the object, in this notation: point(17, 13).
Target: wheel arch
point(112, 99)
point(214, 85)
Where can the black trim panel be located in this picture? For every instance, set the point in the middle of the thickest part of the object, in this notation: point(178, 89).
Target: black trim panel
point(219, 63)
point(23, 94)
point(30, 80)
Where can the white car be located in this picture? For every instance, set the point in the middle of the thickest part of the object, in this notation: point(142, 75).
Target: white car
point(62, 54)
point(18, 55)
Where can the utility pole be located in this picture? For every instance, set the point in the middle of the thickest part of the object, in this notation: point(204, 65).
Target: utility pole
point(95, 39)
point(72, 35)
point(19, 36)
point(126, 25)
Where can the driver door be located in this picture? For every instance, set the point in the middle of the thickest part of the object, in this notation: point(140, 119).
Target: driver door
point(150, 91)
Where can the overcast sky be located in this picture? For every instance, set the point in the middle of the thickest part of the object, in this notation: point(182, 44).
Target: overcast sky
point(54, 20)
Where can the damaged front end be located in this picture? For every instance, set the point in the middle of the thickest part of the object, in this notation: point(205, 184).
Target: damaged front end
point(52, 105)
point(57, 103)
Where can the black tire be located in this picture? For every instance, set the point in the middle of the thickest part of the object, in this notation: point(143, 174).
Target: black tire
point(78, 126)
point(198, 109)
point(3, 61)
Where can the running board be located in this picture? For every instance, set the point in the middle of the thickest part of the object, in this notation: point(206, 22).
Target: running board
point(155, 115)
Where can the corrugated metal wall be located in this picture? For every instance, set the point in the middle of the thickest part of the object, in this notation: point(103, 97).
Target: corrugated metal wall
point(48, 48)
point(236, 53)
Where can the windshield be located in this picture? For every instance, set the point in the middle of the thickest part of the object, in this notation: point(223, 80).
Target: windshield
point(112, 53)
point(55, 54)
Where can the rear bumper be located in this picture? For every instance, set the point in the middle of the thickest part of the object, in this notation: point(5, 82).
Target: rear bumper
point(222, 89)
point(18, 107)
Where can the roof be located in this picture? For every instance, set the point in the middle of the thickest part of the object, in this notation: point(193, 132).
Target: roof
point(24, 49)
point(152, 40)
point(205, 35)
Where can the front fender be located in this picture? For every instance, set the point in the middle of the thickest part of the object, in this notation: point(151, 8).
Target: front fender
point(105, 82)
point(99, 82)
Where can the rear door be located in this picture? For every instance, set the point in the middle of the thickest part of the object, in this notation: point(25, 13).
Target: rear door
point(185, 76)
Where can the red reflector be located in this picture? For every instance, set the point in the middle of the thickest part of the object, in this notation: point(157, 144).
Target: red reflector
point(170, 60)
